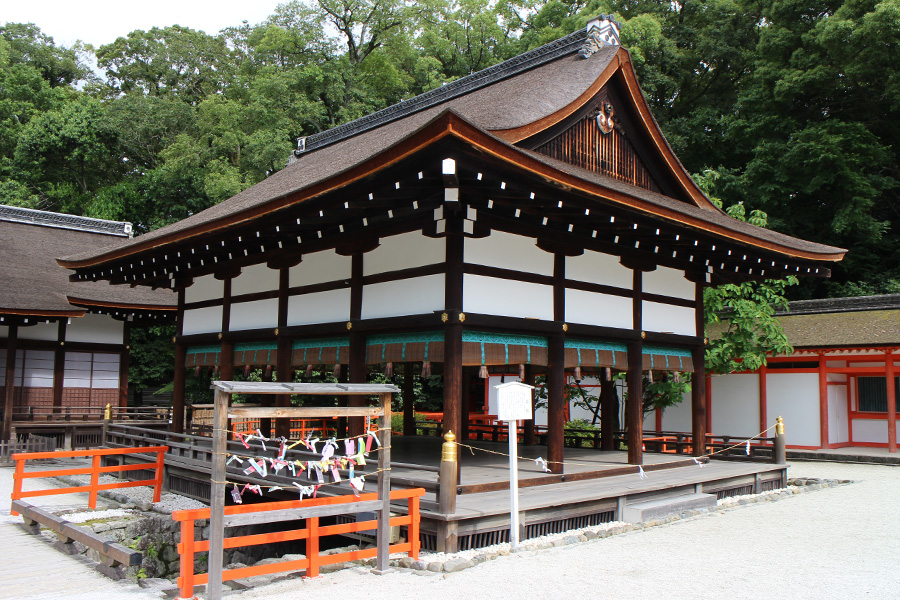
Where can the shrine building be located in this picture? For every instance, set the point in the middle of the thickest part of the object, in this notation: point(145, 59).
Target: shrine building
point(64, 344)
point(530, 217)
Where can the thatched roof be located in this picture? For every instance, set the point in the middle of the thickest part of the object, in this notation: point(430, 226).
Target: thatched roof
point(869, 321)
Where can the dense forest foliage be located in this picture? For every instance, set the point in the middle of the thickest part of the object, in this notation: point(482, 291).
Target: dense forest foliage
point(782, 106)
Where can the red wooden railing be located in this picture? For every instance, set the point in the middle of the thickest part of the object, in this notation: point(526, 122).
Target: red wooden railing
point(94, 470)
point(188, 546)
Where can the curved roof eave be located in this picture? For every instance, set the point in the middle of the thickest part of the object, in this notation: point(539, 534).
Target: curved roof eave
point(448, 122)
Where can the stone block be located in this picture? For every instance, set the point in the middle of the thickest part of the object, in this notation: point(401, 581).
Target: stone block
point(661, 508)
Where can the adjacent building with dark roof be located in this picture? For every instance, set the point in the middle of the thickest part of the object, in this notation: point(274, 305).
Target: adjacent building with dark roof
point(63, 343)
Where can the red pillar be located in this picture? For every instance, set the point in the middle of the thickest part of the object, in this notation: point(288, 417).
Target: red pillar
point(763, 398)
point(823, 402)
point(634, 406)
point(891, 401)
point(700, 414)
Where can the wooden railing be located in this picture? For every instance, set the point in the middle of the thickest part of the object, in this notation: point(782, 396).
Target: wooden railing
point(33, 443)
point(94, 471)
point(308, 510)
point(49, 414)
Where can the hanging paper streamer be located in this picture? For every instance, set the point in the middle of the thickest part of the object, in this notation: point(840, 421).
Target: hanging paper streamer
point(374, 437)
point(234, 457)
point(236, 495)
point(319, 475)
point(243, 440)
point(357, 483)
point(641, 472)
point(539, 461)
point(335, 474)
point(349, 447)
point(700, 464)
point(262, 439)
point(747, 448)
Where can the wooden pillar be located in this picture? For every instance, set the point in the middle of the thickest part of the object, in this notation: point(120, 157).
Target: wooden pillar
point(123, 365)
point(59, 365)
point(178, 379)
point(634, 405)
point(891, 401)
point(283, 361)
point(823, 402)
point(529, 425)
point(465, 398)
point(763, 398)
point(699, 402)
point(609, 411)
point(409, 399)
point(556, 401)
point(453, 304)
point(11, 339)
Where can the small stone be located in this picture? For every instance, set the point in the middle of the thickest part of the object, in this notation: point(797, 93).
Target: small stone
point(457, 564)
point(100, 527)
point(590, 535)
point(405, 562)
point(292, 557)
point(435, 567)
point(419, 565)
point(570, 539)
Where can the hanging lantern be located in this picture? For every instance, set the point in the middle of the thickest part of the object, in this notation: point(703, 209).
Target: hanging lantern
point(650, 376)
point(216, 371)
point(337, 370)
point(309, 370)
point(522, 371)
point(246, 370)
point(577, 373)
point(483, 372)
point(608, 372)
point(389, 370)
point(268, 371)
point(426, 368)
point(676, 377)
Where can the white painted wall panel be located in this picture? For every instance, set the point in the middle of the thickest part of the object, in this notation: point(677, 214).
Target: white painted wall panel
point(320, 267)
point(416, 296)
point(404, 251)
point(96, 329)
point(678, 417)
point(868, 430)
point(255, 278)
point(204, 288)
point(665, 318)
point(4, 332)
point(48, 332)
point(590, 308)
point(321, 307)
point(795, 396)
point(735, 404)
point(203, 320)
point(669, 282)
point(838, 427)
point(508, 251)
point(105, 371)
point(502, 297)
point(38, 369)
point(597, 267)
point(78, 366)
point(260, 314)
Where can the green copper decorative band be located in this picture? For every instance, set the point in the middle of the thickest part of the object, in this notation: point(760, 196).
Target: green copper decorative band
point(594, 345)
point(204, 349)
point(667, 351)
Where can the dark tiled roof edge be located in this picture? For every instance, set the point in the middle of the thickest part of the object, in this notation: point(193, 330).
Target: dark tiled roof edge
point(839, 305)
point(518, 64)
point(30, 216)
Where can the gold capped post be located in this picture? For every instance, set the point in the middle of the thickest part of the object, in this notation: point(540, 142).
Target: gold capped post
point(448, 448)
point(779, 426)
point(107, 412)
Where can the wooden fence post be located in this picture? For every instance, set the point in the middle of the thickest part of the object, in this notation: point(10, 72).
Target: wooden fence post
point(95, 481)
point(780, 450)
point(447, 530)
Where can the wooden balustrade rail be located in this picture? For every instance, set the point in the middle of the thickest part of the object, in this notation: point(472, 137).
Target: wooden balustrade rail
point(94, 471)
point(310, 510)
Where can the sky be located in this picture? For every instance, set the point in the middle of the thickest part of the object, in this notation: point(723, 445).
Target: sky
point(100, 22)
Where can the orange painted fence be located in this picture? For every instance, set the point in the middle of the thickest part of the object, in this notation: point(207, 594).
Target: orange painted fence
point(311, 533)
point(94, 471)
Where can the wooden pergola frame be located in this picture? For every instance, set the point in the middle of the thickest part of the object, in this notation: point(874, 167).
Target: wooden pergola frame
point(223, 392)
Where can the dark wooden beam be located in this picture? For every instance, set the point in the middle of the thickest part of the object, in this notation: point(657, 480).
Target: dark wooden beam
point(59, 366)
point(9, 389)
point(556, 402)
point(178, 378)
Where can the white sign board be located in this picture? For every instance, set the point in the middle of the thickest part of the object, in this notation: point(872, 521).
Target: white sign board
point(514, 401)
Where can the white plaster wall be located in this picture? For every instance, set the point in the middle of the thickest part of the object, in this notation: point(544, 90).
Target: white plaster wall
point(508, 251)
point(869, 430)
point(795, 396)
point(590, 308)
point(97, 329)
point(321, 307)
point(678, 417)
point(4, 332)
point(105, 371)
point(48, 332)
point(255, 278)
point(77, 372)
point(735, 404)
point(838, 427)
point(203, 320)
point(502, 297)
point(665, 318)
point(597, 267)
point(320, 267)
point(404, 251)
point(669, 282)
point(415, 296)
point(259, 314)
point(204, 288)
point(38, 369)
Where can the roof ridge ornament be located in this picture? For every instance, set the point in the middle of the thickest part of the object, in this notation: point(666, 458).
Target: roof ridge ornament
point(602, 31)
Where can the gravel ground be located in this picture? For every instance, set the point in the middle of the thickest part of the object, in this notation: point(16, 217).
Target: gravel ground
point(835, 543)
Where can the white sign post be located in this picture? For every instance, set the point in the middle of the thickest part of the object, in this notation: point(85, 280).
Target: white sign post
point(514, 401)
